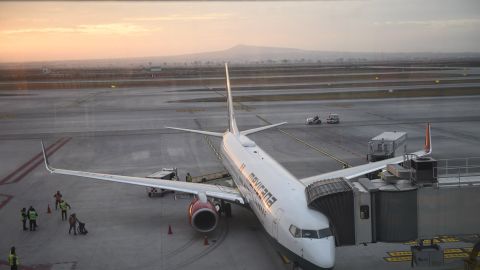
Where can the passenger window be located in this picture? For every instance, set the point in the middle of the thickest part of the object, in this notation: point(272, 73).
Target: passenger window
point(309, 234)
point(364, 212)
point(324, 233)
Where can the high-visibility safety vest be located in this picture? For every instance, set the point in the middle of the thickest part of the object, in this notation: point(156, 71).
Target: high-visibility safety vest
point(32, 215)
point(24, 215)
point(63, 206)
point(12, 259)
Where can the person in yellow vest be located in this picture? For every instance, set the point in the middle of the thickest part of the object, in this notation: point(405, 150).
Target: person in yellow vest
point(23, 212)
point(32, 217)
point(188, 178)
point(63, 206)
point(13, 259)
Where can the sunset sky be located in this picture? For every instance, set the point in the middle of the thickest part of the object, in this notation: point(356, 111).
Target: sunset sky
point(37, 31)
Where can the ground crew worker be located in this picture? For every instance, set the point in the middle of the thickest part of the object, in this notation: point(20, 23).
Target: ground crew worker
point(63, 207)
point(13, 259)
point(32, 216)
point(188, 178)
point(73, 223)
point(58, 199)
point(24, 218)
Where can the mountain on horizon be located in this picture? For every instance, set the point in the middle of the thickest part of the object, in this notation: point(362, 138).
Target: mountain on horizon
point(251, 54)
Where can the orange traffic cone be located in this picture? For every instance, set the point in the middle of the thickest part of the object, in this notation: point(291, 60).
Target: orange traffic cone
point(170, 229)
point(49, 211)
point(205, 240)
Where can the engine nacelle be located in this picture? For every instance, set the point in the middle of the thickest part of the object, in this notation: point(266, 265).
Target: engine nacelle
point(203, 215)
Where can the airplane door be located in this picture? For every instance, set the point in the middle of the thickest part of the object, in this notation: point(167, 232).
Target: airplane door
point(275, 222)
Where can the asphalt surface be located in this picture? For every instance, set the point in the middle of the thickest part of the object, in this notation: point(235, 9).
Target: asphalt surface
point(121, 131)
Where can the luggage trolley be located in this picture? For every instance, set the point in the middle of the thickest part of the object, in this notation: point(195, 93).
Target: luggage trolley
point(164, 174)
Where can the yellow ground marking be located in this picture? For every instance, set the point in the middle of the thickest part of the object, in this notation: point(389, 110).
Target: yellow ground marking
point(436, 240)
point(455, 255)
point(325, 153)
point(190, 110)
point(7, 116)
point(448, 253)
point(285, 259)
point(450, 240)
point(398, 259)
point(452, 250)
point(399, 253)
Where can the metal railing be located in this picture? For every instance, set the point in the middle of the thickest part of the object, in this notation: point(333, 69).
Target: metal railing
point(459, 169)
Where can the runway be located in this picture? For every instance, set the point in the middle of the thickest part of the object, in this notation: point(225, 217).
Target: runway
point(121, 131)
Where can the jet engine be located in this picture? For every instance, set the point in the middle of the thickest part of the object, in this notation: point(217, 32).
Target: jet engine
point(202, 214)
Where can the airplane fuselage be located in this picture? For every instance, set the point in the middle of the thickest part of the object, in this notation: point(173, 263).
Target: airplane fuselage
point(278, 200)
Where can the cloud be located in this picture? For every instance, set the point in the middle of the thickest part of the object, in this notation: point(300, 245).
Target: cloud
point(183, 17)
point(435, 23)
point(112, 28)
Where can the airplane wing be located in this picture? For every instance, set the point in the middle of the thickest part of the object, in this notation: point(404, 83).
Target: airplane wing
point(215, 191)
point(350, 173)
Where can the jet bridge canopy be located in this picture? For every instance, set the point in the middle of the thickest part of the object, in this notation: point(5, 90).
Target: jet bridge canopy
point(334, 198)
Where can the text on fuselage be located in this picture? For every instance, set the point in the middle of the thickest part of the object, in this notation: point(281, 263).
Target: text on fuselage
point(261, 191)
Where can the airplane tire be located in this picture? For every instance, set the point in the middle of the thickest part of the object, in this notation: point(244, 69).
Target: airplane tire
point(228, 210)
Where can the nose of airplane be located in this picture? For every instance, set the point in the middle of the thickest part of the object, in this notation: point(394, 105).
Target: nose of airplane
point(320, 252)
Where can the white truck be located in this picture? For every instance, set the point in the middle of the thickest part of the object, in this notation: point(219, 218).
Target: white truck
point(165, 174)
point(333, 118)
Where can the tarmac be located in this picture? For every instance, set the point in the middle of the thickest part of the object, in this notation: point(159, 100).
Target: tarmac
point(121, 131)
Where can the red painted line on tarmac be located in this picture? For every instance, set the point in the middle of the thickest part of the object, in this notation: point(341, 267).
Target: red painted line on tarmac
point(4, 202)
point(51, 149)
point(6, 178)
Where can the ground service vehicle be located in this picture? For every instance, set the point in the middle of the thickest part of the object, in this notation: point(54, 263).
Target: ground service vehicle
point(333, 118)
point(313, 120)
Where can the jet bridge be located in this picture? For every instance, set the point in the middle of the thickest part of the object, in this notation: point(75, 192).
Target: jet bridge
point(421, 199)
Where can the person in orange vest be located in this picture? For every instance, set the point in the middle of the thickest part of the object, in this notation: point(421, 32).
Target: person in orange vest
point(58, 199)
point(73, 223)
point(13, 259)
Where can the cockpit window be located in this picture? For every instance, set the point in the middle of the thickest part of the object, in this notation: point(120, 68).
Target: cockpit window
point(324, 233)
point(296, 232)
point(301, 233)
point(309, 234)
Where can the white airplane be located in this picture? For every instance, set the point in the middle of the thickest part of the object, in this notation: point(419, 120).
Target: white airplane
point(275, 196)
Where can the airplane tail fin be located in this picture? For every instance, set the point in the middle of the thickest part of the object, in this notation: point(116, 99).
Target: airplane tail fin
point(428, 140)
point(232, 124)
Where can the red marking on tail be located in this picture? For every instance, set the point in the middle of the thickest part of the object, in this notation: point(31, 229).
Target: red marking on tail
point(427, 147)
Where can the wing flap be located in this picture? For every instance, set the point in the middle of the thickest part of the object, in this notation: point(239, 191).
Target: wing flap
point(219, 192)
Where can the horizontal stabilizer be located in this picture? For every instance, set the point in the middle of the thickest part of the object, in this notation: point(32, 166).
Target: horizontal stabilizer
point(253, 130)
point(208, 133)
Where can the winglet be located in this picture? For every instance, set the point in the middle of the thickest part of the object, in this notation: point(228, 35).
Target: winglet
point(428, 140)
point(45, 159)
